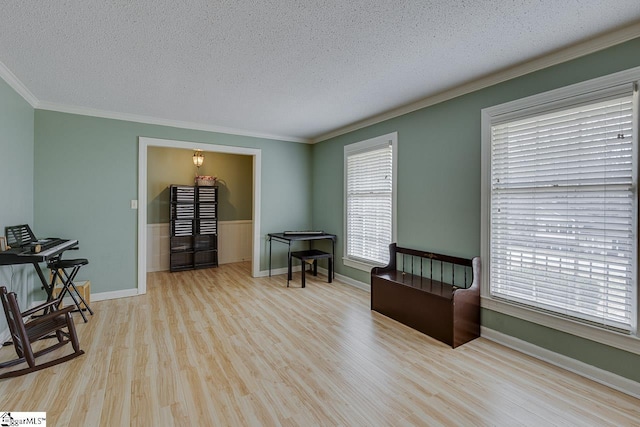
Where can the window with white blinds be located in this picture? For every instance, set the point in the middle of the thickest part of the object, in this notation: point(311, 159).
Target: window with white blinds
point(369, 200)
point(563, 211)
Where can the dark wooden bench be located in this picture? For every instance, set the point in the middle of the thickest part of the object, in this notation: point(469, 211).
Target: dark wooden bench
point(438, 295)
point(312, 255)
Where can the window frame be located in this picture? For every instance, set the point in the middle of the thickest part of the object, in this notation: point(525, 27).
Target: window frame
point(360, 147)
point(558, 98)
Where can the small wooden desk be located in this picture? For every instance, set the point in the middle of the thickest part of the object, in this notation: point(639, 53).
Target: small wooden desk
point(288, 237)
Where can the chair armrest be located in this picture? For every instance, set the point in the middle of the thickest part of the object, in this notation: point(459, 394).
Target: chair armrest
point(47, 317)
point(38, 308)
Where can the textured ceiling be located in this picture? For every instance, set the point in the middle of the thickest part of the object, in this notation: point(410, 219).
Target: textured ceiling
point(294, 69)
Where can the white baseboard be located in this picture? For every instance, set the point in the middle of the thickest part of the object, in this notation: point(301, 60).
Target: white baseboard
point(277, 271)
point(343, 279)
point(125, 293)
point(102, 296)
point(598, 375)
point(352, 282)
point(348, 280)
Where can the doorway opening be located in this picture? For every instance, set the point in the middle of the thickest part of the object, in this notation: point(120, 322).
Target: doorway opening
point(143, 146)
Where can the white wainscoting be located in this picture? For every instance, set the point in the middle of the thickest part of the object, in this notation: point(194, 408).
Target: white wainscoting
point(234, 244)
point(234, 241)
point(157, 247)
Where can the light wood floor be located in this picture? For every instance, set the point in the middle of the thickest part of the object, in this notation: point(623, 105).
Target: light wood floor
point(218, 348)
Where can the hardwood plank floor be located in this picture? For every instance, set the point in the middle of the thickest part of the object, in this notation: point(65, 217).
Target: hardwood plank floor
point(218, 348)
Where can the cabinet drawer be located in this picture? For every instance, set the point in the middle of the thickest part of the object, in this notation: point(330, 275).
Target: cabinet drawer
point(206, 242)
point(206, 259)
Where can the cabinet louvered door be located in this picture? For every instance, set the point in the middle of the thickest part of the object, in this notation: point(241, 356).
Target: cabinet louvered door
point(193, 227)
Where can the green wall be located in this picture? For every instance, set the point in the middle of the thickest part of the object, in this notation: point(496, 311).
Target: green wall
point(168, 166)
point(16, 189)
point(439, 185)
point(78, 174)
point(86, 173)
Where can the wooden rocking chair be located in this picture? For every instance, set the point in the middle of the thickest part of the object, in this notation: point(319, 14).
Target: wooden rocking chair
point(23, 334)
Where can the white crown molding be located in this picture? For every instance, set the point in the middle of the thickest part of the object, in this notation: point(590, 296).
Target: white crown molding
point(84, 111)
point(17, 85)
point(598, 375)
point(22, 90)
point(578, 50)
point(563, 55)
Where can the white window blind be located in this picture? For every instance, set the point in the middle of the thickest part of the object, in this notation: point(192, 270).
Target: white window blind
point(563, 212)
point(369, 202)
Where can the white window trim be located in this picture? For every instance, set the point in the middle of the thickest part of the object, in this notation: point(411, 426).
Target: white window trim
point(630, 343)
point(355, 147)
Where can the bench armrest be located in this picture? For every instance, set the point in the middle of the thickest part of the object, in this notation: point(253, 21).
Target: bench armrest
point(392, 262)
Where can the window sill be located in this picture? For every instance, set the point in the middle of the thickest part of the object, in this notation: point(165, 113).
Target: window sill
point(618, 340)
point(359, 265)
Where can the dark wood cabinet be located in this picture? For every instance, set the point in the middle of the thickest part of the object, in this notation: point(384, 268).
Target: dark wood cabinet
point(194, 227)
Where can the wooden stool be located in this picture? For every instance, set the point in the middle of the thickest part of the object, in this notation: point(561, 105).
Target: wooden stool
point(312, 255)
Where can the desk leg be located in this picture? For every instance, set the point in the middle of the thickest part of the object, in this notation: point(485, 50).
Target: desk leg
point(330, 275)
point(333, 256)
point(269, 256)
point(48, 288)
point(290, 275)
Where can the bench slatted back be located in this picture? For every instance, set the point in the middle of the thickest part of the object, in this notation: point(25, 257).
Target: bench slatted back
point(445, 266)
